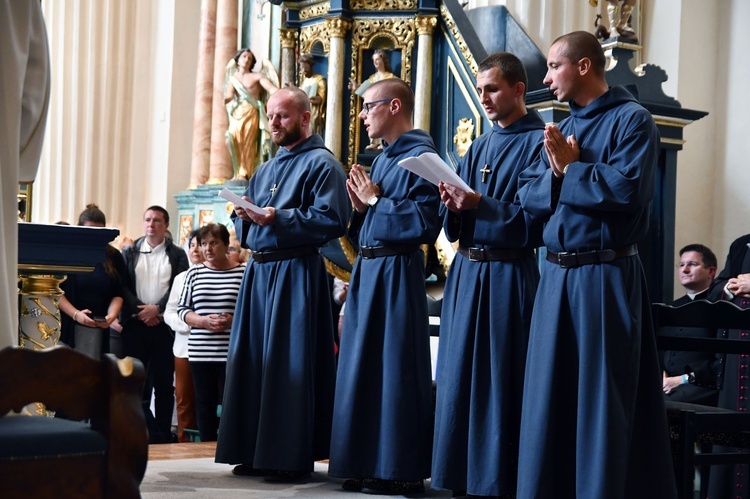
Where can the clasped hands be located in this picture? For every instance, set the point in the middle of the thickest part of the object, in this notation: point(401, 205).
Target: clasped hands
point(560, 151)
point(360, 188)
point(250, 216)
point(740, 285)
point(217, 322)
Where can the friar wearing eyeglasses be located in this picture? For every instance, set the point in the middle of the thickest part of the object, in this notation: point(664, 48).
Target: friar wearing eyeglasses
point(383, 403)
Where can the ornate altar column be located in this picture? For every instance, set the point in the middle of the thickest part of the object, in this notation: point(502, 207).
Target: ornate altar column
point(42, 270)
point(220, 165)
point(204, 83)
point(423, 88)
point(39, 324)
point(288, 64)
point(337, 29)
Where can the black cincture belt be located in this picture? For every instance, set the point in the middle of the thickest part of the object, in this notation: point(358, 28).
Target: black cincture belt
point(494, 255)
point(379, 251)
point(573, 260)
point(284, 254)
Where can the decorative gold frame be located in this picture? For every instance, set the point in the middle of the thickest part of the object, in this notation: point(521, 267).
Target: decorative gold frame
point(312, 33)
point(318, 10)
point(454, 72)
point(25, 192)
point(401, 31)
point(383, 5)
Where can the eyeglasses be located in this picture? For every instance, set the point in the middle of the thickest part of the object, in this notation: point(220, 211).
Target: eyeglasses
point(367, 106)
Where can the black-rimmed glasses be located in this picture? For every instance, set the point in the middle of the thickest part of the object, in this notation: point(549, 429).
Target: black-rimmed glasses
point(367, 106)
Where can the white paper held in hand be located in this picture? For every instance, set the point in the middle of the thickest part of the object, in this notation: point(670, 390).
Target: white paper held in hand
point(238, 201)
point(432, 168)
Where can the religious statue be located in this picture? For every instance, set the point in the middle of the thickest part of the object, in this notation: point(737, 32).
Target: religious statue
point(248, 137)
point(383, 71)
point(618, 20)
point(464, 135)
point(314, 85)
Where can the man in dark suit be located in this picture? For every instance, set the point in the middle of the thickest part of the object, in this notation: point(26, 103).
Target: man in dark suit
point(733, 284)
point(689, 376)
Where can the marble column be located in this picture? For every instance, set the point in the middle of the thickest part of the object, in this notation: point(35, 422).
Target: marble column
point(337, 29)
point(204, 83)
point(220, 165)
point(288, 63)
point(423, 87)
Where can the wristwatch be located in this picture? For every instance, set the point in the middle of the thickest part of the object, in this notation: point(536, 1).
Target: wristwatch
point(691, 378)
point(373, 200)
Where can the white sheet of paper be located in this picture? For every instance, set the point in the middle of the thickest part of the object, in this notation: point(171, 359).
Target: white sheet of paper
point(432, 168)
point(238, 201)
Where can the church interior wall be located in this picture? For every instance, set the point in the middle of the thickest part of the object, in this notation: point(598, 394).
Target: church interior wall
point(186, 17)
point(691, 62)
point(132, 143)
point(731, 200)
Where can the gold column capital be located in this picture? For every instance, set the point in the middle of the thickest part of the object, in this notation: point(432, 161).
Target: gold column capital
point(288, 38)
point(337, 27)
point(425, 24)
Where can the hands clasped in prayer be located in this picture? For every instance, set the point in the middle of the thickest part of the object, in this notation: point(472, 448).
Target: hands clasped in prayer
point(249, 216)
point(560, 151)
point(360, 188)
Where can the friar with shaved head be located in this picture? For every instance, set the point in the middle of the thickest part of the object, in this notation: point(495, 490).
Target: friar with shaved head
point(593, 422)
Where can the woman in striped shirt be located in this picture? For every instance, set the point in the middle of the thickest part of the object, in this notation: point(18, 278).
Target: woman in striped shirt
point(206, 305)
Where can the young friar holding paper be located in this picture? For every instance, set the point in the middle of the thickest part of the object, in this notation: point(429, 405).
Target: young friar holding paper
point(489, 294)
point(383, 406)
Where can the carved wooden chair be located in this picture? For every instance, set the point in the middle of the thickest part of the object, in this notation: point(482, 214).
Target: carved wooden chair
point(691, 424)
point(98, 449)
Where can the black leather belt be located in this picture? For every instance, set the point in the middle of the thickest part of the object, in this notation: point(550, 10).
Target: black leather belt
point(573, 260)
point(380, 251)
point(494, 255)
point(284, 254)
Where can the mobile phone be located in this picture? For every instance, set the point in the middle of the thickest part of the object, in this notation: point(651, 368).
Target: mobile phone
point(98, 318)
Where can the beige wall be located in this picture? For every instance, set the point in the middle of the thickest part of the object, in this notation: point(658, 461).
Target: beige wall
point(120, 125)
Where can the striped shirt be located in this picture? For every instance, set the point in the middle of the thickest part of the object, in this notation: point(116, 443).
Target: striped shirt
point(208, 291)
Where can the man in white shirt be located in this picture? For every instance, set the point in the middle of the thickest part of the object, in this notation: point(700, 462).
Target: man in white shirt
point(153, 262)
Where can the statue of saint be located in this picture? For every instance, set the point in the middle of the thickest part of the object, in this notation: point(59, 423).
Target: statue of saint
point(248, 137)
point(618, 20)
point(383, 71)
point(314, 85)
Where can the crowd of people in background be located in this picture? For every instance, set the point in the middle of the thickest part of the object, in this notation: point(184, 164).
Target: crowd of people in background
point(547, 386)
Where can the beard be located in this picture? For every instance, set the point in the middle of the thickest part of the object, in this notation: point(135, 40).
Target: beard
point(288, 136)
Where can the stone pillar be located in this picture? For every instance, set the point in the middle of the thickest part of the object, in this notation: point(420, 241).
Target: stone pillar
point(220, 165)
point(337, 29)
point(423, 87)
point(204, 83)
point(288, 63)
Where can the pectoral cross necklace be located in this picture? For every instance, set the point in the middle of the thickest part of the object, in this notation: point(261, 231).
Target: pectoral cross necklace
point(273, 189)
point(486, 170)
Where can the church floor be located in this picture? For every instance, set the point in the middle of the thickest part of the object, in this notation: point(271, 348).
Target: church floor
point(188, 471)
